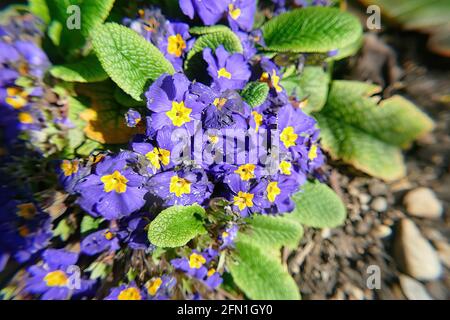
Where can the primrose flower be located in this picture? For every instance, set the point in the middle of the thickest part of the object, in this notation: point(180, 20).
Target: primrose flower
point(222, 109)
point(100, 241)
point(160, 288)
point(246, 197)
point(199, 265)
point(149, 23)
point(293, 125)
point(175, 43)
point(24, 228)
point(133, 118)
point(227, 236)
point(70, 172)
point(56, 279)
point(181, 187)
point(241, 14)
point(113, 190)
point(271, 75)
point(171, 103)
point(228, 71)
point(159, 152)
point(210, 11)
point(126, 292)
point(279, 191)
point(132, 231)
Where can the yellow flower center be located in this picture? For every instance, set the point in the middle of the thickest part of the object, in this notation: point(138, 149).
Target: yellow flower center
point(312, 154)
point(272, 80)
point(179, 186)
point(285, 167)
point(69, 167)
point(176, 45)
point(196, 261)
point(108, 235)
point(243, 200)
point(246, 171)
point(26, 210)
point(115, 181)
point(16, 97)
point(225, 235)
point(24, 231)
point(219, 102)
point(211, 272)
point(25, 118)
point(258, 119)
point(223, 73)
point(154, 286)
point(179, 114)
point(235, 13)
point(129, 294)
point(288, 136)
point(213, 139)
point(56, 278)
point(273, 191)
point(158, 156)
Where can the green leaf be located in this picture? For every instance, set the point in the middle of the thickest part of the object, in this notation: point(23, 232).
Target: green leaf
point(98, 270)
point(261, 276)
point(318, 206)
point(39, 8)
point(87, 70)
point(128, 58)
point(176, 226)
point(199, 31)
point(222, 36)
point(255, 93)
point(273, 231)
point(312, 84)
point(312, 29)
point(366, 133)
point(54, 32)
point(89, 223)
point(63, 230)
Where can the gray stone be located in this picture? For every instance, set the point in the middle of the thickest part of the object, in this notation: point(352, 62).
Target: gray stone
point(414, 254)
point(379, 204)
point(423, 203)
point(413, 289)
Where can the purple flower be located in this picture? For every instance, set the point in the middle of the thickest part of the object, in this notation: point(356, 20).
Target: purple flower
point(227, 236)
point(70, 172)
point(159, 152)
point(241, 14)
point(171, 103)
point(160, 288)
point(198, 265)
point(174, 44)
point(126, 292)
point(181, 187)
point(100, 241)
point(222, 109)
point(247, 197)
point(58, 278)
point(210, 11)
point(133, 118)
point(114, 190)
point(228, 71)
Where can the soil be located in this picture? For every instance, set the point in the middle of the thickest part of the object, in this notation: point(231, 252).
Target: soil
point(333, 264)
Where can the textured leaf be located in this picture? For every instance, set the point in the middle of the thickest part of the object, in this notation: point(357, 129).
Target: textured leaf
point(312, 29)
point(255, 93)
point(39, 8)
point(198, 31)
point(273, 231)
point(312, 84)
point(368, 135)
point(176, 226)
point(89, 223)
point(224, 36)
point(260, 276)
point(318, 206)
point(128, 58)
point(87, 70)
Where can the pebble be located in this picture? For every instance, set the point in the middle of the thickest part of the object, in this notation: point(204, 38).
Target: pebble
point(414, 254)
point(382, 231)
point(423, 203)
point(378, 189)
point(413, 289)
point(379, 204)
point(364, 198)
point(443, 249)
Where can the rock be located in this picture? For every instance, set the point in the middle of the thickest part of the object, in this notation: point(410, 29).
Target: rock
point(379, 204)
point(413, 289)
point(378, 189)
point(443, 251)
point(364, 198)
point(382, 231)
point(414, 254)
point(422, 202)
